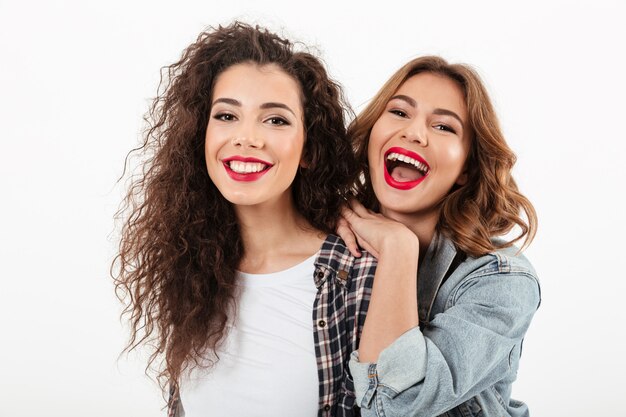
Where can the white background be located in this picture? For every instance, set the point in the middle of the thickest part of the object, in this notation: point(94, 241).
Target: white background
point(76, 78)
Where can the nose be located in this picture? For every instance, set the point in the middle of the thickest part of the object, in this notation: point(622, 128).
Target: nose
point(416, 134)
point(248, 137)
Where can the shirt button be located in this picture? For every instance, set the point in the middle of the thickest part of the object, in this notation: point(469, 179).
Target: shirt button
point(327, 407)
point(321, 323)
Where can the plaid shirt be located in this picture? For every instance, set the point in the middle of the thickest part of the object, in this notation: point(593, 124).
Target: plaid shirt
point(344, 287)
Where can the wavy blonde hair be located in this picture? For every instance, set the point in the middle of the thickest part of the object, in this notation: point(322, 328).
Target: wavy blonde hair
point(489, 204)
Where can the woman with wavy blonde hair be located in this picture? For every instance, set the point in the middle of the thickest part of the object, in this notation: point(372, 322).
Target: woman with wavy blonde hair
point(435, 196)
point(227, 263)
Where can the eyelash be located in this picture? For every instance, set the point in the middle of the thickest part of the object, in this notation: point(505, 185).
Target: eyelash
point(398, 113)
point(282, 121)
point(225, 117)
point(445, 128)
point(275, 121)
point(439, 126)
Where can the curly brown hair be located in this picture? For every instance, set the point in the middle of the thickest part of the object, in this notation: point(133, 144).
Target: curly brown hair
point(489, 204)
point(181, 242)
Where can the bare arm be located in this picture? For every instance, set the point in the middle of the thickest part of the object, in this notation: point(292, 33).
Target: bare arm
point(393, 306)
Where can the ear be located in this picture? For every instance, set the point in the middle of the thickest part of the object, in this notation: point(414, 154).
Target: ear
point(461, 179)
point(304, 161)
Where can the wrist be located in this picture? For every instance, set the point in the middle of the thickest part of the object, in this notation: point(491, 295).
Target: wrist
point(402, 241)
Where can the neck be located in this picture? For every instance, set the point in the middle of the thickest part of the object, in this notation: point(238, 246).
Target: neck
point(422, 224)
point(275, 237)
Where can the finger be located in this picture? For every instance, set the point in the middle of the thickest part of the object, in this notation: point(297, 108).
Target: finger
point(348, 214)
point(359, 209)
point(353, 220)
point(348, 236)
point(365, 245)
point(345, 210)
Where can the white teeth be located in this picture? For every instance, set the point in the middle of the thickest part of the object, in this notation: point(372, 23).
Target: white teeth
point(246, 167)
point(407, 159)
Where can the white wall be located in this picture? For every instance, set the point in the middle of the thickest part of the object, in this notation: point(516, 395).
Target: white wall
point(75, 79)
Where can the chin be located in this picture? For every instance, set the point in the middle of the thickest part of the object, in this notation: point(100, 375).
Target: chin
point(403, 209)
point(396, 203)
point(239, 199)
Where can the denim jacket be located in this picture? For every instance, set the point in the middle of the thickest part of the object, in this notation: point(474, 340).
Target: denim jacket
point(464, 356)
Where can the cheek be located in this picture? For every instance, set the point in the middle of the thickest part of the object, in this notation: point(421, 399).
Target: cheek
point(377, 133)
point(454, 157)
point(209, 138)
point(211, 149)
point(373, 160)
point(216, 137)
point(375, 146)
point(208, 149)
point(291, 149)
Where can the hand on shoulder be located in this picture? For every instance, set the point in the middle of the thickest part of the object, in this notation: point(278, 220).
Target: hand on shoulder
point(373, 232)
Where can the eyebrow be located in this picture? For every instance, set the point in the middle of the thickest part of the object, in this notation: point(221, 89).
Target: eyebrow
point(441, 112)
point(402, 97)
point(444, 112)
point(269, 105)
point(227, 101)
point(272, 105)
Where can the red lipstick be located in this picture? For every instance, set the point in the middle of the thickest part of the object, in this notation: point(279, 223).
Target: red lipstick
point(404, 185)
point(247, 176)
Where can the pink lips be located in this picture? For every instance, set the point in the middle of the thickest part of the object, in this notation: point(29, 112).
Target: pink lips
point(250, 176)
point(408, 184)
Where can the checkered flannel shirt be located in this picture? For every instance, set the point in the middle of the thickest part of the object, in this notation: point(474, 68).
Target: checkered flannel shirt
point(344, 287)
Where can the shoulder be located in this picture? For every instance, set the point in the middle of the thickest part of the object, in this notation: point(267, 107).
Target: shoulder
point(502, 274)
point(505, 261)
point(335, 255)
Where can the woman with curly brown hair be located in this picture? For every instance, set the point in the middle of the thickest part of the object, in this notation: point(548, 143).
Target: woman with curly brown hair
point(227, 262)
point(437, 193)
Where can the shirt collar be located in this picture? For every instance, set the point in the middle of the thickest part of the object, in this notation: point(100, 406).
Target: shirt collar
point(333, 259)
point(438, 258)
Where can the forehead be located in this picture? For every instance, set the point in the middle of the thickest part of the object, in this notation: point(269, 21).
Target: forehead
point(432, 91)
point(252, 84)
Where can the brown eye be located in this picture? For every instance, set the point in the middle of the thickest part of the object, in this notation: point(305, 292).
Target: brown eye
point(225, 117)
point(444, 128)
point(398, 113)
point(278, 121)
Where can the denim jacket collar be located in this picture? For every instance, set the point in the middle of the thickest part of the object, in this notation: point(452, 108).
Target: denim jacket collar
point(438, 258)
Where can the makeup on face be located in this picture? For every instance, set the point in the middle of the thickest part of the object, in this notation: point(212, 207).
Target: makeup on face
point(255, 134)
point(404, 169)
point(242, 168)
point(418, 145)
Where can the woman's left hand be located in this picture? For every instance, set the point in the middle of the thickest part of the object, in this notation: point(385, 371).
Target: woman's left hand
point(374, 232)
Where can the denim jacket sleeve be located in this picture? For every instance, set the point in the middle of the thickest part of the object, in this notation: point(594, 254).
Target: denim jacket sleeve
point(464, 350)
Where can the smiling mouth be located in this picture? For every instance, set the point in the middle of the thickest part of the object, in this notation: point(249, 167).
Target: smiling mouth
point(245, 168)
point(404, 169)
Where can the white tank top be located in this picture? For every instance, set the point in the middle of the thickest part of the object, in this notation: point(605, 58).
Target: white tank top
point(267, 364)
